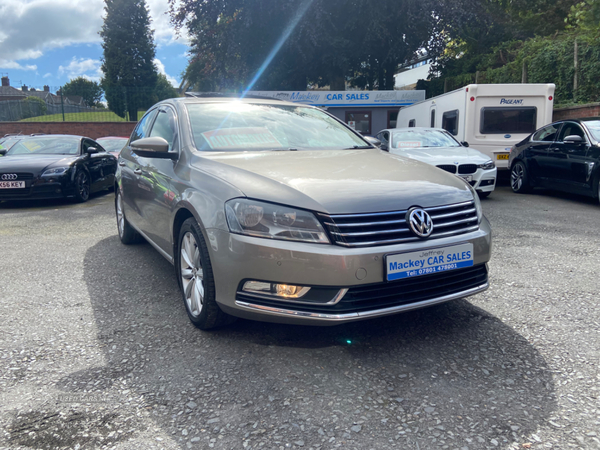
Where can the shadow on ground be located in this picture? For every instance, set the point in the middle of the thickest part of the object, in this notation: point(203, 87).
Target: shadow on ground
point(448, 375)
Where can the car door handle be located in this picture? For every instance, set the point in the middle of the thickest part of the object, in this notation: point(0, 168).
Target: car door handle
point(138, 171)
point(122, 163)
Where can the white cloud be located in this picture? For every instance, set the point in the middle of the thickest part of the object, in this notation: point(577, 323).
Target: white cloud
point(48, 75)
point(161, 69)
point(87, 68)
point(5, 64)
point(31, 27)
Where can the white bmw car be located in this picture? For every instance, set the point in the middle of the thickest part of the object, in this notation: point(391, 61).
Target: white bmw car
point(437, 147)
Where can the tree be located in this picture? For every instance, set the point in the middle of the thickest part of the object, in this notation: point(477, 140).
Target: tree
point(164, 89)
point(324, 42)
point(90, 90)
point(130, 75)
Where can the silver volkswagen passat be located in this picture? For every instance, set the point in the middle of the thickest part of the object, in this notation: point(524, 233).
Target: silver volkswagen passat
point(280, 212)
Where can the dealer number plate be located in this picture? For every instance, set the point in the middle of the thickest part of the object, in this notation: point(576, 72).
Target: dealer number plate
point(502, 156)
point(12, 184)
point(425, 262)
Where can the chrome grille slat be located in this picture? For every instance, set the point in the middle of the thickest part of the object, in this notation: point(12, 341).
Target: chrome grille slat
point(456, 222)
point(454, 214)
point(366, 224)
point(389, 228)
point(370, 233)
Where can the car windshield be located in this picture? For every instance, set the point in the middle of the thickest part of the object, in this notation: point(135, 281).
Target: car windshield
point(405, 139)
point(238, 126)
point(112, 145)
point(594, 127)
point(45, 146)
point(7, 142)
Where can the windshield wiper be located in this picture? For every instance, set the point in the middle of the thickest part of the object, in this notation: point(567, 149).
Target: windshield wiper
point(358, 147)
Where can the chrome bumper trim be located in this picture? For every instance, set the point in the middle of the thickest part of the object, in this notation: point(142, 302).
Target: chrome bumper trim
point(358, 315)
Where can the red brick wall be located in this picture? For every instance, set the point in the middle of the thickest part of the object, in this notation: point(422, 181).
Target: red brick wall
point(92, 130)
point(579, 111)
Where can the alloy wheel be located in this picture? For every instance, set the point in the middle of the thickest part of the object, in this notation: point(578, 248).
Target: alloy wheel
point(192, 275)
point(516, 177)
point(120, 216)
point(84, 189)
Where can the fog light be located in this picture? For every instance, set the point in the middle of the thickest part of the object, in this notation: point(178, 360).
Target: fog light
point(275, 289)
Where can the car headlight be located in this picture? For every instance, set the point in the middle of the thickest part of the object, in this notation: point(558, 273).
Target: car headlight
point(55, 171)
point(487, 165)
point(267, 220)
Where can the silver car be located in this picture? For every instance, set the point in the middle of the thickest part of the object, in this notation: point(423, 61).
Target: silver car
point(279, 212)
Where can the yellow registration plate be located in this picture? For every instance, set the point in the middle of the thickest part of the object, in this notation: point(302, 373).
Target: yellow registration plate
point(503, 156)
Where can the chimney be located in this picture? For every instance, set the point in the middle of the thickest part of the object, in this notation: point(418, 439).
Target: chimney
point(5, 81)
point(46, 88)
point(24, 88)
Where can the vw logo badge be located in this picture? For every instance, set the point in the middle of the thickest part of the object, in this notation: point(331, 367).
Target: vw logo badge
point(8, 176)
point(420, 222)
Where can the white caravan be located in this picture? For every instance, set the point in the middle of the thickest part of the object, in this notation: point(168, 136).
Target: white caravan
point(490, 117)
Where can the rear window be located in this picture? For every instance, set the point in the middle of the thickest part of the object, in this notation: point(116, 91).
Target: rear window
point(508, 120)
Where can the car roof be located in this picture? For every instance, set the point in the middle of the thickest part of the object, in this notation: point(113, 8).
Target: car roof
point(228, 98)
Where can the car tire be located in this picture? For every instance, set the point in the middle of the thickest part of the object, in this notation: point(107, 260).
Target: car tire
point(196, 279)
point(483, 194)
point(127, 234)
point(82, 186)
point(519, 178)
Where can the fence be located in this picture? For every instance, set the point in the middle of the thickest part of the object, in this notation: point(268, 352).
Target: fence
point(572, 62)
point(52, 105)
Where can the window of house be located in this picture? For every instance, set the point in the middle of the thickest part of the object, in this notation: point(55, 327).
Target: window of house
point(450, 122)
point(359, 121)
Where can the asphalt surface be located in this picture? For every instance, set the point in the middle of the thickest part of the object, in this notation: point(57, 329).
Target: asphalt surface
point(96, 350)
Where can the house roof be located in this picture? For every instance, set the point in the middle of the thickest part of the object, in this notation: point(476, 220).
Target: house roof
point(9, 91)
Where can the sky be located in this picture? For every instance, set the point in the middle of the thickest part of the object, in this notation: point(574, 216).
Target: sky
point(49, 42)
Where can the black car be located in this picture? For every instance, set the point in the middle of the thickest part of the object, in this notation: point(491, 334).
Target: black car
point(55, 166)
point(564, 155)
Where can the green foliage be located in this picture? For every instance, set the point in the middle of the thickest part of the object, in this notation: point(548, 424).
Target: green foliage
point(32, 107)
point(546, 59)
point(585, 16)
point(130, 75)
point(90, 90)
point(332, 41)
point(164, 89)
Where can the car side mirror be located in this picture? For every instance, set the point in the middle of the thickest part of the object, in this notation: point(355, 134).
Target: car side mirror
point(91, 150)
point(3, 151)
point(384, 147)
point(573, 139)
point(373, 141)
point(153, 147)
point(464, 143)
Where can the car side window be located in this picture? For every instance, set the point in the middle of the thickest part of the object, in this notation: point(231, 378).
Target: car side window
point(570, 129)
point(87, 143)
point(165, 126)
point(141, 129)
point(546, 134)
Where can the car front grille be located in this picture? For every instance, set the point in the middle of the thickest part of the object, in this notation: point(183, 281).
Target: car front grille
point(465, 169)
point(387, 228)
point(394, 293)
point(447, 167)
point(20, 176)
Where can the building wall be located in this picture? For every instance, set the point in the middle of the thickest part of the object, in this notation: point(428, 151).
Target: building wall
point(411, 76)
point(92, 130)
point(579, 111)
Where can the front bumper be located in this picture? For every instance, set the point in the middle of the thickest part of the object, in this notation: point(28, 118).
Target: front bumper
point(237, 258)
point(40, 188)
